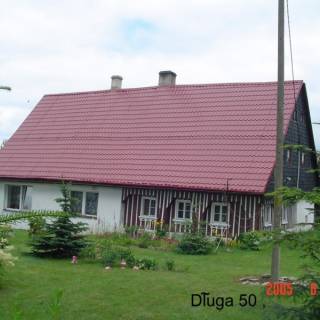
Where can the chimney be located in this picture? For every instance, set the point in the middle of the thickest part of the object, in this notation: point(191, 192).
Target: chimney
point(167, 78)
point(116, 82)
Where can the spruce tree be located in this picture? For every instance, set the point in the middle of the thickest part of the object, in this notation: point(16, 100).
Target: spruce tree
point(61, 238)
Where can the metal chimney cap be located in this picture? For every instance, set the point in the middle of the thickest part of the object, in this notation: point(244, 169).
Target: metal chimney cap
point(116, 77)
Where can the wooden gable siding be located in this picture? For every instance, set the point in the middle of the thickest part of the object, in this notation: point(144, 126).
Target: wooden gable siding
point(299, 133)
point(245, 213)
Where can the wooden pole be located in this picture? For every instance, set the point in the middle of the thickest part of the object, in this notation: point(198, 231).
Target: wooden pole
point(278, 171)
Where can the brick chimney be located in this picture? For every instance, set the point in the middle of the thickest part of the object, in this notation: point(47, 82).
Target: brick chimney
point(167, 78)
point(116, 82)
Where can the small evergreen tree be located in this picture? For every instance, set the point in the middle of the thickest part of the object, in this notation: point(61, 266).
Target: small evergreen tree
point(61, 238)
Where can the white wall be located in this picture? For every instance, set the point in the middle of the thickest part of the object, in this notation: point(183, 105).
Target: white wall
point(304, 216)
point(44, 195)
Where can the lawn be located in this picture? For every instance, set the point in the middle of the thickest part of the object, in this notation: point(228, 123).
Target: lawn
point(90, 292)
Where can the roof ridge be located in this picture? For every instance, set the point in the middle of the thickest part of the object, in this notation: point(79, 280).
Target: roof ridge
point(218, 84)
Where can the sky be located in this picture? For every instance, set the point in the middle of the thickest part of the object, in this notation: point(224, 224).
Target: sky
point(65, 46)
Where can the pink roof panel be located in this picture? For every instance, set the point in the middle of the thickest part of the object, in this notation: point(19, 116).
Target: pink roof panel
point(183, 136)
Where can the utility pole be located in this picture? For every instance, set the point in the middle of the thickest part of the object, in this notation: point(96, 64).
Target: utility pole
point(278, 171)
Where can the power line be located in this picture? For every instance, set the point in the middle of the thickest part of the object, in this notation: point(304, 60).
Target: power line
point(291, 51)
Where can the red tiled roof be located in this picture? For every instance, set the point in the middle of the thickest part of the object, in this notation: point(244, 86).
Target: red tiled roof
point(184, 136)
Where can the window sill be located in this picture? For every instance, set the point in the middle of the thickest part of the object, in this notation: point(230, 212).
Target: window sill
point(11, 210)
point(182, 220)
point(84, 216)
point(219, 224)
point(143, 217)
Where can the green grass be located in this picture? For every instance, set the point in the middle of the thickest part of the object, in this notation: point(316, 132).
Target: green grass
point(90, 292)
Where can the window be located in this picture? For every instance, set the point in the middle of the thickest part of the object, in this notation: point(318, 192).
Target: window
point(148, 207)
point(89, 207)
point(302, 158)
point(77, 197)
point(295, 115)
point(183, 209)
point(288, 155)
point(284, 216)
point(302, 117)
point(220, 213)
point(19, 197)
point(267, 216)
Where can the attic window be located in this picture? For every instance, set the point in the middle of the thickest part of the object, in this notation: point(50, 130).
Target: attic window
point(295, 115)
point(302, 117)
point(288, 155)
point(302, 158)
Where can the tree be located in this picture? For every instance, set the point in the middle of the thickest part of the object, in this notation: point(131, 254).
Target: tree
point(61, 238)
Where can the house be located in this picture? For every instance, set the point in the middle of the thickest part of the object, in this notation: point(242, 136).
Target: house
point(165, 153)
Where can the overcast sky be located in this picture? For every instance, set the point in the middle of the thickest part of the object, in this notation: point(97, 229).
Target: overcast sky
point(63, 46)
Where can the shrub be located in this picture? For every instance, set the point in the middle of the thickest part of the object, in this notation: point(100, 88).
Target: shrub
point(3, 243)
point(113, 255)
point(131, 231)
point(161, 229)
point(90, 251)
point(62, 238)
point(146, 264)
point(144, 241)
point(5, 231)
point(194, 244)
point(6, 260)
point(250, 241)
point(36, 225)
point(109, 258)
point(126, 254)
point(306, 305)
point(170, 265)
point(160, 233)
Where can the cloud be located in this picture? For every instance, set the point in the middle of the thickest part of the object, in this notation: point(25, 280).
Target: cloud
point(78, 45)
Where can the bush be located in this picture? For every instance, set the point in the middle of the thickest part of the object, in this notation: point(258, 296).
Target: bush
point(4, 242)
point(146, 264)
point(36, 225)
point(131, 231)
point(6, 260)
point(170, 265)
point(250, 241)
point(160, 233)
point(126, 254)
point(194, 244)
point(5, 231)
point(144, 241)
point(90, 251)
point(113, 255)
point(62, 238)
point(109, 258)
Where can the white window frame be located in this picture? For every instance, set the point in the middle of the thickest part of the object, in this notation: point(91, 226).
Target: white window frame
point(268, 209)
point(284, 216)
point(83, 205)
point(178, 201)
point(303, 158)
point(212, 218)
point(142, 212)
point(288, 155)
point(20, 197)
